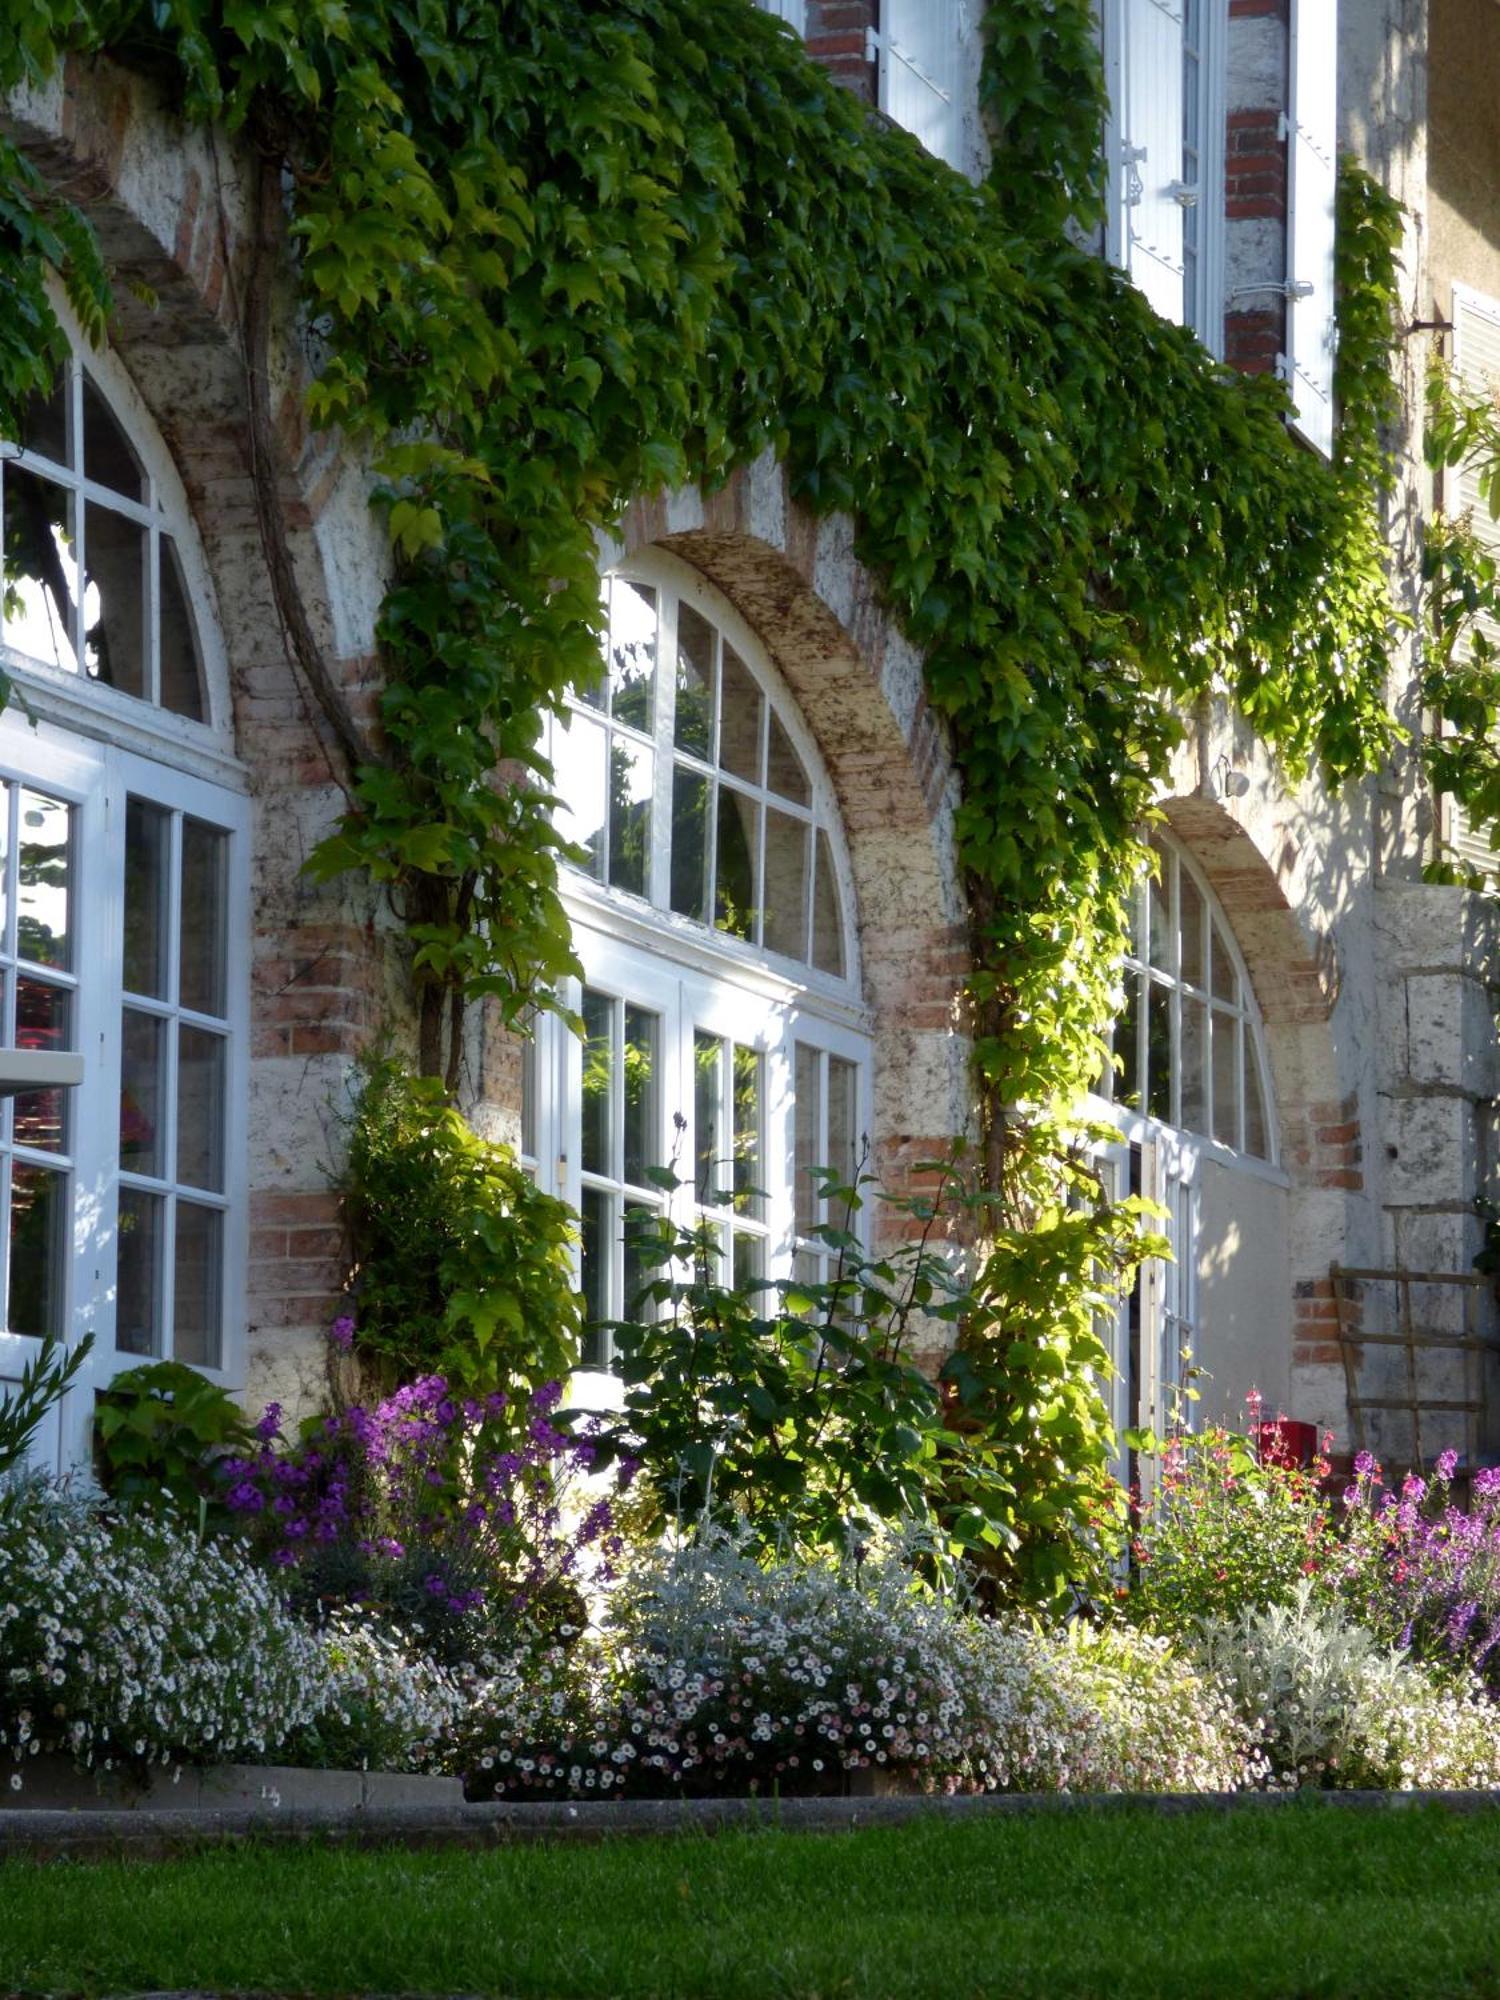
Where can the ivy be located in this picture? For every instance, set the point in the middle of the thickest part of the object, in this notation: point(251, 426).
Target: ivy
point(569, 255)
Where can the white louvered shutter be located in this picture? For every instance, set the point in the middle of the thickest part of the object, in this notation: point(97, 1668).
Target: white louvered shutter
point(793, 12)
point(1149, 168)
point(921, 65)
point(1313, 157)
point(1476, 360)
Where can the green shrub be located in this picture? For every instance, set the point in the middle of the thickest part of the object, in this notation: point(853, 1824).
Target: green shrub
point(461, 1266)
point(44, 1381)
point(159, 1431)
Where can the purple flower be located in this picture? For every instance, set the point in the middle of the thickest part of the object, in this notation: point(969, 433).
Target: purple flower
point(1364, 1464)
point(1447, 1465)
point(269, 1426)
point(341, 1333)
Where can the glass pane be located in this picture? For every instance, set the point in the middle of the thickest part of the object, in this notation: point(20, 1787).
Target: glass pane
point(827, 913)
point(38, 1233)
point(749, 1264)
point(578, 764)
point(1226, 1065)
point(1225, 985)
point(694, 728)
point(1159, 1052)
point(785, 901)
point(1158, 903)
point(44, 422)
point(689, 887)
point(108, 456)
point(529, 1095)
point(843, 1119)
point(1194, 1113)
point(807, 1122)
point(598, 1065)
point(735, 863)
point(1127, 1089)
point(595, 1236)
point(642, 1123)
point(629, 815)
point(147, 847)
point(197, 1288)
point(785, 772)
point(41, 572)
point(639, 1271)
point(748, 1073)
point(632, 653)
point(201, 978)
point(138, 1291)
point(1257, 1140)
point(114, 600)
point(201, 1069)
point(739, 718)
point(180, 665)
point(142, 1079)
point(709, 1178)
point(43, 1021)
point(45, 880)
point(1193, 921)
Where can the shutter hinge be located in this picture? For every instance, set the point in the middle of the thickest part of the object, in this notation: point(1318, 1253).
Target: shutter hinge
point(1283, 128)
point(1135, 188)
point(1184, 193)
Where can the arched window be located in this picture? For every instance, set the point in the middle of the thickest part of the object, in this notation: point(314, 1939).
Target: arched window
point(1190, 1094)
point(123, 877)
point(724, 1034)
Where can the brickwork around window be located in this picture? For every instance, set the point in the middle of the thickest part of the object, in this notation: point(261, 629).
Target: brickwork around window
point(836, 32)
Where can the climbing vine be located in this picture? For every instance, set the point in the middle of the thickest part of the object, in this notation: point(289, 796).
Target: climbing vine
point(568, 255)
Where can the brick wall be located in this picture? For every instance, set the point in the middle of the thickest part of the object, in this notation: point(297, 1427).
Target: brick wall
point(836, 38)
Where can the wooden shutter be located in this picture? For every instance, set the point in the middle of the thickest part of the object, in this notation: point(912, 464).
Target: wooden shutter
point(1313, 158)
point(1148, 172)
point(1476, 361)
point(793, 12)
point(920, 72)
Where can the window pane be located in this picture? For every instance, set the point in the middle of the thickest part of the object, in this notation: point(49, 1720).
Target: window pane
point(710, 1179)
point(138, 1291)
point(108, 456)
point(114, 600)
point(201, 976)
point(785, 771)
point(694, 727)
point(598, 1066)
point(632, 653)
point(595, 1237)
point(689, 888)
point(179, 662)
point(785, 902)
point(1158, 903)
point(41, 571)
point(1159, 1052)
point(749, 1069)
point(739, 718)
point(1194, 1064)
point(1257, 1140)
point(38, 1233)
point(828, 917)
point(201, 1072)
point(43, 1021)
point(529, 1080)
point(45, 879)
point(748, 1262)
point(147, 846)
point(642, 1124)
point(629, 815)
point(197, 1285)
point(1225, 985)
point(1127, 1089)
point(807, 1120)
point(578, 762)
point(142, 1078)
point(843, 1119)
point(1193, 923)
point(45, 423)
point(1226, 1066)
point(638, 1270)
point(737, 842)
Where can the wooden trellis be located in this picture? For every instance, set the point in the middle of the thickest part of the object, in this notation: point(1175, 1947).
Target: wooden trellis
point(1414, 1339)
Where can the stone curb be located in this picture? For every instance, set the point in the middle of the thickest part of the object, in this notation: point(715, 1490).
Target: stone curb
point(146, 1834)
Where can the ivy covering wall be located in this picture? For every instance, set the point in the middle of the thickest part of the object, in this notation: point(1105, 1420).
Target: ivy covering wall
point(570, 254)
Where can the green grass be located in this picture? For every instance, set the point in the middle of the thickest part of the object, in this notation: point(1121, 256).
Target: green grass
point(1295, 1902)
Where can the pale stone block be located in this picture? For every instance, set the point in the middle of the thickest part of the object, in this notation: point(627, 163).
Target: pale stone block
point(1433, 1150)
point(1450, 1032)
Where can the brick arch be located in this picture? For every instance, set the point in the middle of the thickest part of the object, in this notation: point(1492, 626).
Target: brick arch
point(858, 683)
point(173, 211)
point(1296, 982)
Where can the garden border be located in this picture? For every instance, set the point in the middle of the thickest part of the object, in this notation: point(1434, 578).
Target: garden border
point(41, 1834)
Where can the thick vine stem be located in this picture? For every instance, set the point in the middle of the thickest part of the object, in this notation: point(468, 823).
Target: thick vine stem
point(302, 645)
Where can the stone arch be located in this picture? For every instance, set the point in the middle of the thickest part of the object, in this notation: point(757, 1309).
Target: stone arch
point(858, 682)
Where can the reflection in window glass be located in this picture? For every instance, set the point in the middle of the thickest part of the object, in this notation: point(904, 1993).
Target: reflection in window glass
point(785, 899)
point(148, 833)
point(179, 665)
point(749, 1070)
point(109, 458)
point(1159, 1051)
point(44, 1022)
point(142, 1082)
point(1194, 1112)
point(641, 1122)
point(739, 718)
point(827, 917)
point(578, 755)
point(45, 423)
point(807, 1119)
point(693, 730)
point(38, 1226)
point(596, 1234)
point(202, 939)
point(1226, 1075)
point(690, 796)
point(201, 1080)
point(843, 1120)
point(598, 1065)
point(40, 596)
point(785, 773)
point(44, 880)
point(737, 843)
point(630, 781)
point(115, 636)
point(708, 1057)
point(1256, 1136)
point(197, 1284)
point(632, 653)
point(138, 1280)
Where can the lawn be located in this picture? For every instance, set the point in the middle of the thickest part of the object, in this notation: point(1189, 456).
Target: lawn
point(1296, 1902)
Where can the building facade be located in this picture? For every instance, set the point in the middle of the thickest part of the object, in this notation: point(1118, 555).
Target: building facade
point(772, 924)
